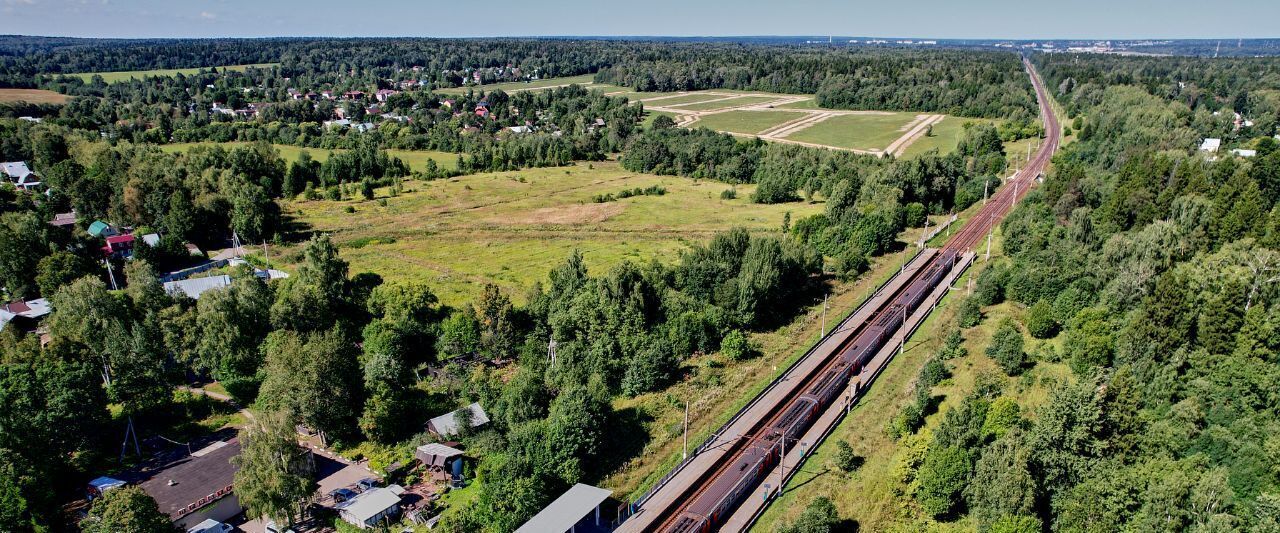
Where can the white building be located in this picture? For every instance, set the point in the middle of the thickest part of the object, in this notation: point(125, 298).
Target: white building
point(1210, 145)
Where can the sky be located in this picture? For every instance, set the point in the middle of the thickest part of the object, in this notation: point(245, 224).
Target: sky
point(955, 19)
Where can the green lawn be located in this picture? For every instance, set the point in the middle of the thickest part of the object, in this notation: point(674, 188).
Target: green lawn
point(511, 228)
point(721, 104)
point(946, 136)
point(748, 122)
point(585, 79)
point(416, 159)
point(863, 132)
point(112, 77)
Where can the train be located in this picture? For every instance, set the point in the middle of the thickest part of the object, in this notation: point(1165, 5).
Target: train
point(727, 490)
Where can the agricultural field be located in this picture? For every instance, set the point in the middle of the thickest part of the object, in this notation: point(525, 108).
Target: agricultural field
point(416, 159)
point(946, 136)
point(856, 131)
point(677, 99)
point(723, 103)
point(32, 96)
point(746, 122)
point(584, 80)
point(511, 228)
point(113, 77)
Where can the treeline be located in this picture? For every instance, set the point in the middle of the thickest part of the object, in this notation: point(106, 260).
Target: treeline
point(443, 62)
point(1226, 85)
point(1151, 269)
point(966, 83)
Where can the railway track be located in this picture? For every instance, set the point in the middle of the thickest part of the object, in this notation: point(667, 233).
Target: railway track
point(703, 504)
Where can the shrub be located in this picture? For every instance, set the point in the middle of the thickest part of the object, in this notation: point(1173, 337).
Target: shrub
point(970, 313)
point(845, 459)
point(737, 346)
point(1006, 348)
point(1041, 322)
point(728, 194)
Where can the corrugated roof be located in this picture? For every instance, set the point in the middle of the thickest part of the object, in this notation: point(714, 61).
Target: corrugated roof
point(567, 510)
point(194, 287)
point(447, 424)
point(369, 503)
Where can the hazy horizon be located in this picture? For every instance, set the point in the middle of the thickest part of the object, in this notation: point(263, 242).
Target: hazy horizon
point(939, 19)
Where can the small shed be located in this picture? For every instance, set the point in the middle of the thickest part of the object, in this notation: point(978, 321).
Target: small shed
point(446, 425)
point(371, 507)
point(578, 509)
point(1210, 145)
point(438, 459)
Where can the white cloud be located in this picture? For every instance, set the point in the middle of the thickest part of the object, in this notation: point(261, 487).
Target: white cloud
point(207, 15)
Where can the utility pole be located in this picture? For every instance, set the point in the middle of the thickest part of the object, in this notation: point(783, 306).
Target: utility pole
point(823, 333)
point(988, 256)
point(686, 430)
point(782, 465)
point(986, 186)
point(110, 274)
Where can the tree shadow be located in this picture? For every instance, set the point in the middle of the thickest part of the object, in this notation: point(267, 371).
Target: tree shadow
point(624, 438)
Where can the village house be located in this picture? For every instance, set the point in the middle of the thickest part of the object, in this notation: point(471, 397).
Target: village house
point(353, 95)
point(577, 510)
point(24, 314)
point(383, 94)
point(21, 176)
point(446, 425)
point(119, 246)
point(1210, 145)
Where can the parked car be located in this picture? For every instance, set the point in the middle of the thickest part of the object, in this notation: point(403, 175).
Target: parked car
point(342, 495)
point(366, 484)
point(211, 526)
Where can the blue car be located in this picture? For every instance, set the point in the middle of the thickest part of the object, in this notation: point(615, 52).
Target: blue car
point(342, 495)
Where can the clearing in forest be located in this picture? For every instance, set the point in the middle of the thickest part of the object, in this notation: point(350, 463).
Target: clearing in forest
point(112, 77)
point(32, 96)
point(511, 228)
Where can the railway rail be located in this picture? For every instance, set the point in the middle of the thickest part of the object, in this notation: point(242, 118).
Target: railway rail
point(703, 504)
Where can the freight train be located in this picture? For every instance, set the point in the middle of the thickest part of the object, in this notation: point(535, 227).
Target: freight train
point(731, 485)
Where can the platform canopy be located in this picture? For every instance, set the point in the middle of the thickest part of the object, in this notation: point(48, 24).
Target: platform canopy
point(577, 502)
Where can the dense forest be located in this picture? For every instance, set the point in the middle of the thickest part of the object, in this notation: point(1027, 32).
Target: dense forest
point(1149, 272)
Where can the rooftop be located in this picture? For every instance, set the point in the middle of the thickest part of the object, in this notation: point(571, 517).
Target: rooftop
point(194, 287)
point(447, 424)
point(369, 503)
point(567, 510)
point(188, 480)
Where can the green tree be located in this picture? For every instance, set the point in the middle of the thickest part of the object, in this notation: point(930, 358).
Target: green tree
point(1003, 483)
point(736, 346)
point(59, 269)
point(314, 377)
point(497, 332)
point(1006, 348)
point(126, 509)
point(274, 475)
point(459, 333)
point(941, 480)
point(845, 459)
point(1041, 322)
point(819, 516)
point(23, 243)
